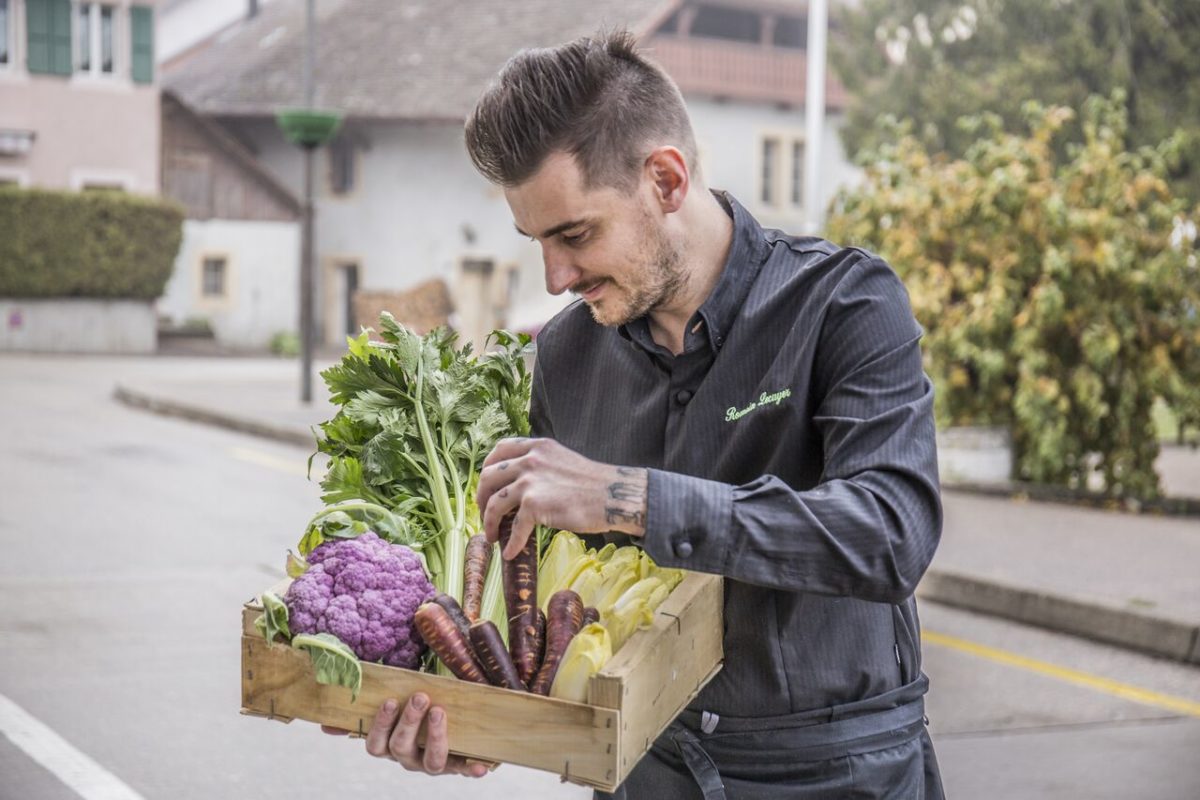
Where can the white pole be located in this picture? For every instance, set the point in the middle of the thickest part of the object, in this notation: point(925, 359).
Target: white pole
point(814, 113)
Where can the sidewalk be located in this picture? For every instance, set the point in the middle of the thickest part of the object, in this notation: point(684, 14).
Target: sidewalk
point(1128, 579)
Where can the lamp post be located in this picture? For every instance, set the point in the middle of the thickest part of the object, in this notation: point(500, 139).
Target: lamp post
point(309, 128)
point(814, 113)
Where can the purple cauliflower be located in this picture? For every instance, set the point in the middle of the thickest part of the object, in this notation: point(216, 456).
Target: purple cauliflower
point(365, 592)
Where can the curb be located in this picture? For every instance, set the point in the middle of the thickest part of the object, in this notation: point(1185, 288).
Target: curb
point(1153, 634)
point(1164, 506)
point(173, 408)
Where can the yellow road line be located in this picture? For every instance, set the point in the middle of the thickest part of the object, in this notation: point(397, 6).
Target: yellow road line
point(1073, 676)
point(267, 460)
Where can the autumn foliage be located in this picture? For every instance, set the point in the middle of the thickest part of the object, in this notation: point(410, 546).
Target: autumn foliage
point(1060, 294)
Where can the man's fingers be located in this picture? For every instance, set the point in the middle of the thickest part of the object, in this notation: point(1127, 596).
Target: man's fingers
point(334, 731)
point(522, 529)
point(403, 742)
point(437, 743)
point(506, 449)
point(381, 729)
point(501, 505)
point(495, 479)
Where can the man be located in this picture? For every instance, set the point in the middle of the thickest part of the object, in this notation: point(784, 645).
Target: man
point(742, 402)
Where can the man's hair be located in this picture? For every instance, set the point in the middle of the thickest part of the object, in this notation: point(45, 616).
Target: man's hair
point(595, 98)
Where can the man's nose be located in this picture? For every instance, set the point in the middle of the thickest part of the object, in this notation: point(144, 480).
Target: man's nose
point(561, 274)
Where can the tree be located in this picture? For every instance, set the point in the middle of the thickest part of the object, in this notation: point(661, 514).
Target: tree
point(1060, 296)
point(934, 61)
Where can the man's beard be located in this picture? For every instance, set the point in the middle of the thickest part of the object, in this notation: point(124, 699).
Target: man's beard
point(663, 279)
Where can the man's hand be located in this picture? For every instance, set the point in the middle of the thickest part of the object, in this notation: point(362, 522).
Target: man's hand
point(547, 484)
point(394, 735)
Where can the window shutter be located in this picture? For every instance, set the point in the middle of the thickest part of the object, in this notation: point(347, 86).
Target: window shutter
point(60, 37)
point(48, 39)
point(142, 25)
point(37, 26)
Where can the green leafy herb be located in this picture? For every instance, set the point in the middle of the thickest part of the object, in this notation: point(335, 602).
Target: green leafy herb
point(274, 619)
point(418, 416)
point(334, 662)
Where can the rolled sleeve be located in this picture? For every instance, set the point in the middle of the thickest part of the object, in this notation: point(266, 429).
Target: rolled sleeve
point(688, 521)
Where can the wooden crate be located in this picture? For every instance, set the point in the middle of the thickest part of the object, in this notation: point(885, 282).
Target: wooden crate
point(630, 702)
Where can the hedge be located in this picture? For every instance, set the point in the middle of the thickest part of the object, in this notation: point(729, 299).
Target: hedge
point(86, 244)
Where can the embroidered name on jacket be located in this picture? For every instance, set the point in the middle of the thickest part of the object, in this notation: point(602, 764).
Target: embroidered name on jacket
point(733, 413)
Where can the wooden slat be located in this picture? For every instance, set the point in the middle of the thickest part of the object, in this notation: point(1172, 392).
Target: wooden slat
point(659, 671)
point(577, 741)
point(630, 702)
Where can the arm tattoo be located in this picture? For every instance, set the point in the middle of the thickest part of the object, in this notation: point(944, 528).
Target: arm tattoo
point(619, 516)
point(626, 492)
point(626, 506)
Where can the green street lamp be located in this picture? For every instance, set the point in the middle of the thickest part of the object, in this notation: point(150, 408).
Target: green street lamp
point(308, 128)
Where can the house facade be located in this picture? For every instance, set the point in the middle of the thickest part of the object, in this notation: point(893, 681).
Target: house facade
point(237, 266)
point(79, 95)
point(397, 200)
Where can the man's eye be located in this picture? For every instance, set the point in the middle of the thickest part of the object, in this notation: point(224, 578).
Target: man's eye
point(575, 238)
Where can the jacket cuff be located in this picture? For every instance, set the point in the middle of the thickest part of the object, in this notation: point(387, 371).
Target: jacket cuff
point(688, 521)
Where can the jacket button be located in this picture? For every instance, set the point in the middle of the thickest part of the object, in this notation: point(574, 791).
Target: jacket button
point(683, 396)
point(683, 549)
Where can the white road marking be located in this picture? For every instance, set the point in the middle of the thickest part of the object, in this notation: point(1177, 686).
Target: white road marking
point(83, 775)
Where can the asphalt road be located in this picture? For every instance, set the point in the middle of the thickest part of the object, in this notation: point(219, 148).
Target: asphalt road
point(131, 541)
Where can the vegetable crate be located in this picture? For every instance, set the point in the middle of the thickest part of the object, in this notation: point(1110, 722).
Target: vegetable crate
point(630, 701)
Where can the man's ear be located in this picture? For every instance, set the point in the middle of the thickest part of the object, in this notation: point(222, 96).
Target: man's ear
point(668, 173)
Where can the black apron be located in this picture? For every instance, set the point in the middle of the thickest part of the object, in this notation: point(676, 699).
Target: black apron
point(879, 754)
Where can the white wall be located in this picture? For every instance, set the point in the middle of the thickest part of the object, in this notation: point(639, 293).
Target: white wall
point(419, 207)
point(187, 22)
point(77, 325)
point(417, 210)
point(729, 136)
point(262, 271)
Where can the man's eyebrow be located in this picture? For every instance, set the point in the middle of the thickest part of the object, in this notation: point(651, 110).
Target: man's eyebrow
point(559, 228)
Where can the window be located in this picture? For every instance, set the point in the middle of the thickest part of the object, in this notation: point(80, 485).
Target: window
point(341, 166)
point(106, 39)
point(716, 22)
point(5, 24)
point(790, 32)
point(213, 277)
point(83, 28)
point(797, 173)
point(94, 35)
point(770, 172)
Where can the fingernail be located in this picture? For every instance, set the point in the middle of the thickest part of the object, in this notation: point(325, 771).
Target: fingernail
point(419, 702)
point(478, 771)
point(389, 707)
point(436, 715)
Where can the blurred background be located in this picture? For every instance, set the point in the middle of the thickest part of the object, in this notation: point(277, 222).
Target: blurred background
point(198, 196)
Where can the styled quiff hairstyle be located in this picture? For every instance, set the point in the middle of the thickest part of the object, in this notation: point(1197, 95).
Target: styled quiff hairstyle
point(595, 98)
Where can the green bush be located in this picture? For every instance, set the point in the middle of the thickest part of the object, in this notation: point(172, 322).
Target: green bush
point(86, 244)
point(1060, 295)
point(286, 344)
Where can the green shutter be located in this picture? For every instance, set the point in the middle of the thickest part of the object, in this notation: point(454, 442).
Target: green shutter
point(37, 25)
point(61, 57)
point(48, 27)
point(142, 24)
